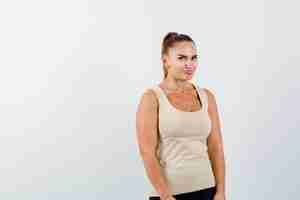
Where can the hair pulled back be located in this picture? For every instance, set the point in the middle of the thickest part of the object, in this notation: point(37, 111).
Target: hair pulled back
point(169, 41)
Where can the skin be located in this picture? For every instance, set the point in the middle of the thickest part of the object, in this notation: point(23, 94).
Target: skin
point(179, 58)
point(177, 84)
point(181, 62)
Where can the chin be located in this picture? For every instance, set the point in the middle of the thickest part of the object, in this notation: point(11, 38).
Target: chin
point(188, 77)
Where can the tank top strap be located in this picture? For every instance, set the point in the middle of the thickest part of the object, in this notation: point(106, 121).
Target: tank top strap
point(203, 97)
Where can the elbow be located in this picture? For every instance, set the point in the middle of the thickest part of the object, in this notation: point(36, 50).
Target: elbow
point(149, 159)
point(147, 154)
point(215, 150)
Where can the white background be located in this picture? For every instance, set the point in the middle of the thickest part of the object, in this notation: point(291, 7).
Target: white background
point(72, 74)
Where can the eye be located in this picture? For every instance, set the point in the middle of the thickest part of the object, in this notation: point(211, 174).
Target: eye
point(180, 58)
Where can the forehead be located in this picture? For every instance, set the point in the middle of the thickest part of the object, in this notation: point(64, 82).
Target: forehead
point(184, 48)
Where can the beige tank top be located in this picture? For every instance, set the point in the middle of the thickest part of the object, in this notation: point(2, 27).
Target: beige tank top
point(182, 146)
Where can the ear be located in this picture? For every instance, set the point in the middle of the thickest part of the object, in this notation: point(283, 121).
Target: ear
point(164, 59)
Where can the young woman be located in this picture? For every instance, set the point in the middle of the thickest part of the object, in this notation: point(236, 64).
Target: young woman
point(178, 130)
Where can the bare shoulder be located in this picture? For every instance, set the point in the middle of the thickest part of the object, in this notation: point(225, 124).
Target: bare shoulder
point(211, 96)
point(148, 100)
point(210, 93)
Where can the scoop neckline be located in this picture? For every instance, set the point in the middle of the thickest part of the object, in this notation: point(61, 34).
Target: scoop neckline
point(182, 111)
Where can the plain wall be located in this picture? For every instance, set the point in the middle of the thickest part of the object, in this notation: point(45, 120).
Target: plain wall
point(72, 74)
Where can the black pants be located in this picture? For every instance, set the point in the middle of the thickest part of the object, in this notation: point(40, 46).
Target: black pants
point(204, 194)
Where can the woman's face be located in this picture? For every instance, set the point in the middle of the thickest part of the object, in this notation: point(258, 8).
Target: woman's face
point(182, 60)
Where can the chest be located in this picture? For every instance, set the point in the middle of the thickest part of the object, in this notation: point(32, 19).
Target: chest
point(179, 124)
point(188, 102)
point(174, 122)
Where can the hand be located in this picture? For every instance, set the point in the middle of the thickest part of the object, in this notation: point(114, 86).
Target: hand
point(170, 198)
point(219, 196)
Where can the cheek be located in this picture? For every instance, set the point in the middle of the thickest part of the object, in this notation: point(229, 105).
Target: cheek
point(177, 64)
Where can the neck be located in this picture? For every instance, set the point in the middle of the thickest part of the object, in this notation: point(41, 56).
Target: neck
point(175, 85)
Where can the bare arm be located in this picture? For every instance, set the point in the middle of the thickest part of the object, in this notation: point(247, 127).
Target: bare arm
point(215, 144)
point(147, 137)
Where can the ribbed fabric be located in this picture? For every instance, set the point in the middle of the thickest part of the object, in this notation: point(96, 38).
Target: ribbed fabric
point(182, 147)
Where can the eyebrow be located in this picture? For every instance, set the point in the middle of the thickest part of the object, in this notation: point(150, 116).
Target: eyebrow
point(186, 56)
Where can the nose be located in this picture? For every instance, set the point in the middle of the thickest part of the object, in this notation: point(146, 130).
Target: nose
point(190, 66)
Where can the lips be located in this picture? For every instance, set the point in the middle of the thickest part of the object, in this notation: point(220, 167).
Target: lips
point(189, 72)
point(189, 68)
